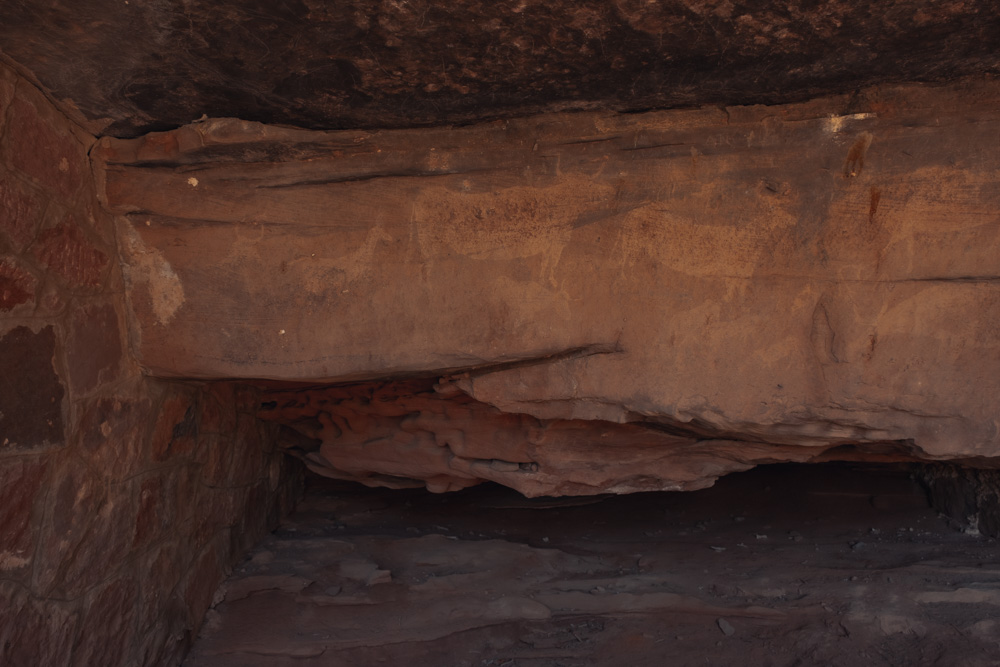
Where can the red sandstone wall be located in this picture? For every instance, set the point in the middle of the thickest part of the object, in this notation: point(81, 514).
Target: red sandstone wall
point(124, 501)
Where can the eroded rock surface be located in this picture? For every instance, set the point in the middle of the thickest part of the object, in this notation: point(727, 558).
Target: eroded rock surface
point(421, 433)
point(131, 68)
point(822, 274)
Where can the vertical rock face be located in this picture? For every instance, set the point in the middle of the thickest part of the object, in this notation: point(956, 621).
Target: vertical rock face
point(819, 275)
point(123, 500)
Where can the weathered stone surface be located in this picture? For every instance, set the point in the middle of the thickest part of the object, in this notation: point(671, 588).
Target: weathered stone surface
point(19, 213)
point(31, 395)
point(176, 429)
point(86, 512)
point(791, 276)
point(94, 348)
point(378, 63)
point(17, 286)
point(218, 409)
point(38, 144)
point(109, 624)
point(7, 83)
point(33, 632)
point(20, 487)
point(98, 472)
point(205, 575)
point(112, 432)
point(168, 632)
point(152, 516)
point(67, 252)
point(403, 435)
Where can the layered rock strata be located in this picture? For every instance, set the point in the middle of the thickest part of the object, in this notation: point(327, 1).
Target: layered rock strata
point(423, 433)
point(813, 275)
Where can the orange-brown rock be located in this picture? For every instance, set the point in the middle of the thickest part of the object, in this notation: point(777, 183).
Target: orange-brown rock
point(418, 433)
point(821, 274)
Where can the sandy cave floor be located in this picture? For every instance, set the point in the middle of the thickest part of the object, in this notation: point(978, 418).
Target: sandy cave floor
point(783, 565)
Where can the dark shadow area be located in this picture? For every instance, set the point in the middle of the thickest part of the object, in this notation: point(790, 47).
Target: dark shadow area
point(843, 564)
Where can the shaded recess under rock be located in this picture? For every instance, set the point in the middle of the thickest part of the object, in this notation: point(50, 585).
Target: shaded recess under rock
point(835, 564)
point(416, 433)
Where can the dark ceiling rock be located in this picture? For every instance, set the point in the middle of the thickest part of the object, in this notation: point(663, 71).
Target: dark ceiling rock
point(139, 65)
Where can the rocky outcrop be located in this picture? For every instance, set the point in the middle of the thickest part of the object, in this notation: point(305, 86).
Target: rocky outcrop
point(816, 275)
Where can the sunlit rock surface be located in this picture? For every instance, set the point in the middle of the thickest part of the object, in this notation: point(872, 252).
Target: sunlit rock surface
point(821, 275)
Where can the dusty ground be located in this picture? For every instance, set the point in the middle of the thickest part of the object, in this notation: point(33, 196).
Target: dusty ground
point(784, 565)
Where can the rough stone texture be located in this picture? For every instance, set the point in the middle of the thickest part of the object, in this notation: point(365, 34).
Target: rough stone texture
point(66, 252)
point(820, 274)
point(969, 497)
point(17, 286)
point(414, 434)
point(94, 349)
point(41, 146)
point(19, 213)
point(31, 395)
point(20, 484)
point(376, 63)
point(104, 507)
point(35, 632)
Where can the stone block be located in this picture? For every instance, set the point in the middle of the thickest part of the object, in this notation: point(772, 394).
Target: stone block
point(40, 145)
point(20, 211)
point(20, 486)
point(17, 286)
point(94, 347)
point(67, 252)
point(31, 397)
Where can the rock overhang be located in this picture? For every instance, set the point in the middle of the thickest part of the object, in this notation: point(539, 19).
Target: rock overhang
point(731, 286)
point(129, 68)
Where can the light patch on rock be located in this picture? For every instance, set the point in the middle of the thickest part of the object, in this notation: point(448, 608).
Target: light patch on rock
point(147, 265)
point(835, 124)
point(9, 561)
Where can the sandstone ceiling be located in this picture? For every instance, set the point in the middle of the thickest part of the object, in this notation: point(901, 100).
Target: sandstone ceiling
point(131, 66)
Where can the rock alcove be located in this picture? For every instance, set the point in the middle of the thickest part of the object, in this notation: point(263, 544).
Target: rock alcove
point(555, 279)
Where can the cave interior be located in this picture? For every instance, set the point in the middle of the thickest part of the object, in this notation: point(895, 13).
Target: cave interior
point(601, 332)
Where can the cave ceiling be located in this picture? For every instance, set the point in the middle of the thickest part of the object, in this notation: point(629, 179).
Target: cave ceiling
point(132, 66)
